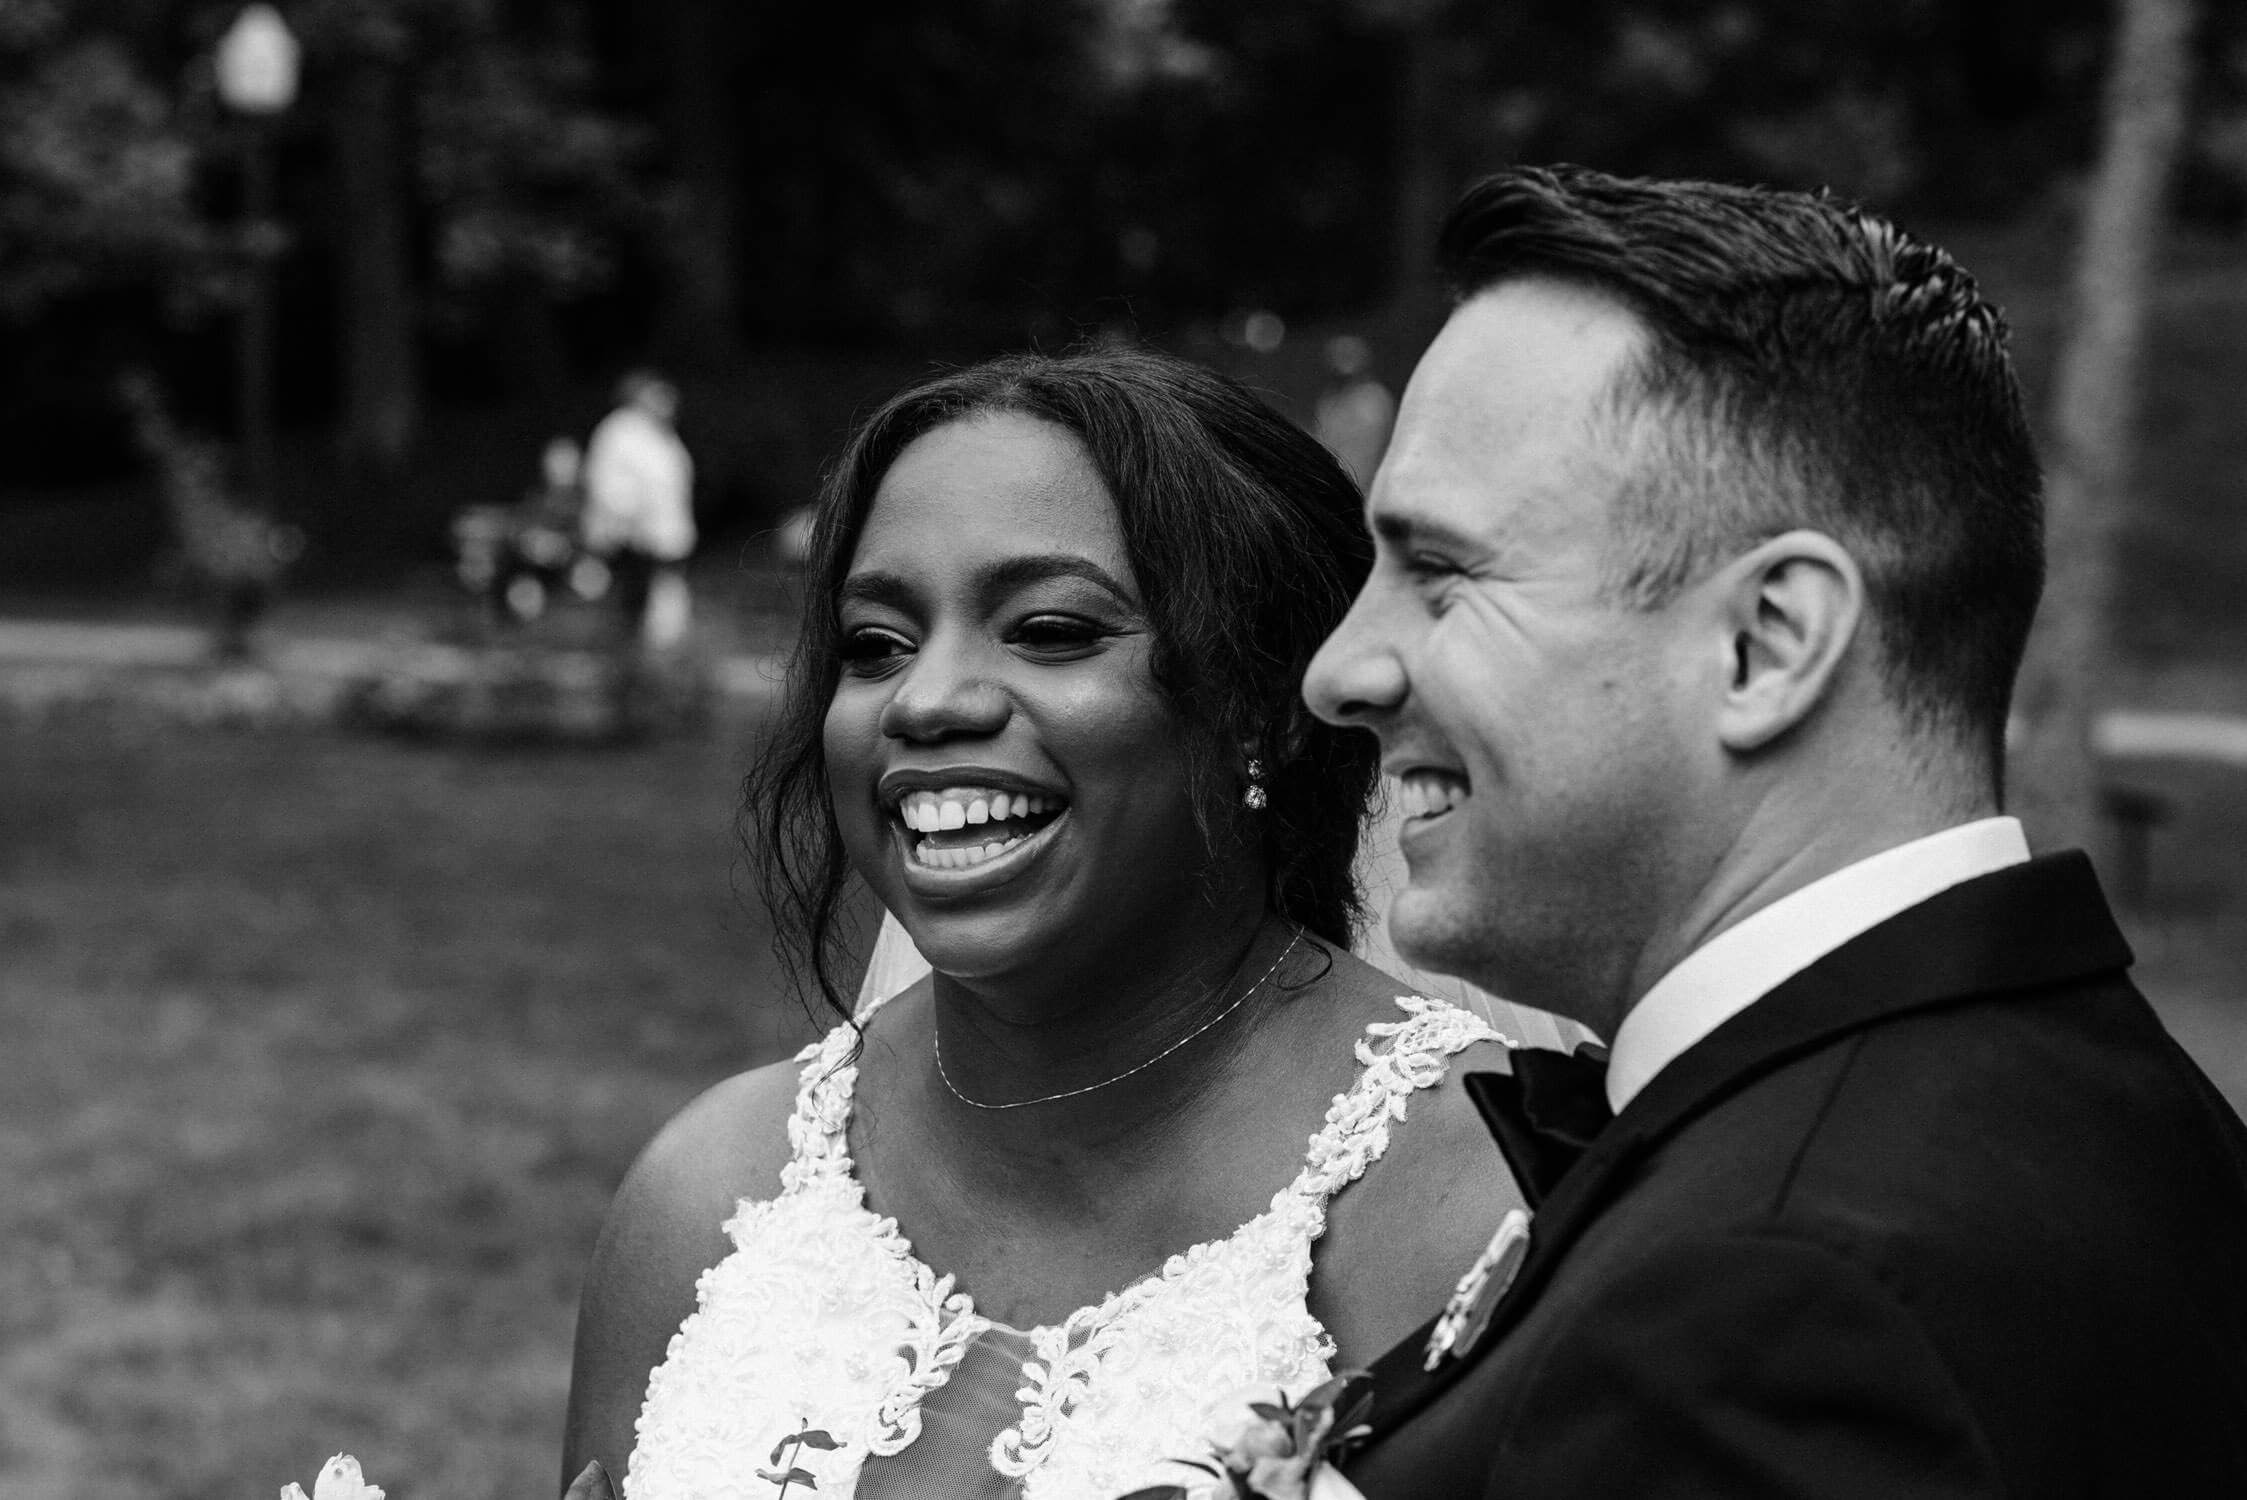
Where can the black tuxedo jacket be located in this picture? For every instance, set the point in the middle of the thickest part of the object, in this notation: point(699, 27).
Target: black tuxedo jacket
point(1946, 1214)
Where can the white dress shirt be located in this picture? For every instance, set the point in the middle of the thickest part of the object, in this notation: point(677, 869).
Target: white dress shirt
point(1745, 962)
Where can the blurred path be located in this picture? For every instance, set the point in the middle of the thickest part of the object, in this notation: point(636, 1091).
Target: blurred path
point(38, 652)
point(44, 647)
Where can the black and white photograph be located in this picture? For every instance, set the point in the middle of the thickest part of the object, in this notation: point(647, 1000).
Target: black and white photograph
point(1123, 750)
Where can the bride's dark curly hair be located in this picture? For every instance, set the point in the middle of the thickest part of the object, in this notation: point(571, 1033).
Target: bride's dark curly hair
point(1244, 537)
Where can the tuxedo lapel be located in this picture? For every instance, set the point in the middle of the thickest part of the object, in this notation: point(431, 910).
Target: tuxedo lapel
point(2031, 925)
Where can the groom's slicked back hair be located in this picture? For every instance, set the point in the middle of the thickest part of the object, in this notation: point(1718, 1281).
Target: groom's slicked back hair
point(1810, 366)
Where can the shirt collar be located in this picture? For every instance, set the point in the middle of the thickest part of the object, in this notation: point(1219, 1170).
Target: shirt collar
point(1747, 960)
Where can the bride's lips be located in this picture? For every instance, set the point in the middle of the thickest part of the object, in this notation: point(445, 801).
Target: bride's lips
point(963, 830)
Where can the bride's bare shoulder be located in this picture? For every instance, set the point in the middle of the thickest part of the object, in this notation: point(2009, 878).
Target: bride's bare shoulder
point(665, 1227)
point(728, 1144)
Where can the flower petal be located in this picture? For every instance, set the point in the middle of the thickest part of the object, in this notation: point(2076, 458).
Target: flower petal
point(1280, 1478)
point(1327, 1483)
point(340, 1479)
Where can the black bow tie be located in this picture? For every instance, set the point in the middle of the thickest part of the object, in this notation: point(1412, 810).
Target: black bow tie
point(1546, 1112)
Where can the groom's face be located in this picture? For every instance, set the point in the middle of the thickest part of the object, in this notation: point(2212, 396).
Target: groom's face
point(1540, 729)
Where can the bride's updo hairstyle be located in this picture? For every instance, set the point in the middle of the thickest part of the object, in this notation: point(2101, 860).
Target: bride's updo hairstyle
point(1245, 540)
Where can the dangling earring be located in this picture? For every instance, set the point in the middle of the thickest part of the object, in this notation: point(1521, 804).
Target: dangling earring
point(1254, 798)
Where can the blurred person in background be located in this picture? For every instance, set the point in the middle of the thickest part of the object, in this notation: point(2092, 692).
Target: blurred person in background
point(514, 557)
point(639, 508)
point(1008, 1232)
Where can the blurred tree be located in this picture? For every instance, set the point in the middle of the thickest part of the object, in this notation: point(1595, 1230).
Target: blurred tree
point(97, 176)
point(702, 315)
point(907, 168)
point(361, 50)
point(2095, 405)
point(1417, 138)
point(490, 192)
point(442, 116)
point(533, 189)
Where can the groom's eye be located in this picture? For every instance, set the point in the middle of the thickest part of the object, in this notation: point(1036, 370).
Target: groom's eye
point(1429, 565)
point(1430, 573)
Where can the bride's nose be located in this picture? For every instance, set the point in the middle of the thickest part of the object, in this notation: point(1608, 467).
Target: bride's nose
point(943, 693)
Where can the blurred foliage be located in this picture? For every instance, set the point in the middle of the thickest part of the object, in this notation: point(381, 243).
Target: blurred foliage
point(582, 183)
point(912, 171)
point(224, 542)
point(515, 171)
point(520, 176)
point(97, 178)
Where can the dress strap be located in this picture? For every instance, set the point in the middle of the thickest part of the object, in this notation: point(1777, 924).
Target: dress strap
point(819, 1126)
point(1416, 1055)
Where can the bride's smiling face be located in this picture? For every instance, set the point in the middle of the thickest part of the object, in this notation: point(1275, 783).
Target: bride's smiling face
point(1005, 772)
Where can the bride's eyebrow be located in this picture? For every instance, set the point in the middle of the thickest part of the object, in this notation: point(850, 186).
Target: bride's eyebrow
point(1014, 573)
point(885, 589)
point(888, 590)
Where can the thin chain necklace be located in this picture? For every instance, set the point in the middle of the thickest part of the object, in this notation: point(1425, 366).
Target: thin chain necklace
point(936, 1033)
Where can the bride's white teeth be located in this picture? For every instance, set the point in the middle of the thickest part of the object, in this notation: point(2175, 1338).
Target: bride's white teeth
point(967, 856)
point(929, 811)
point(952, 808)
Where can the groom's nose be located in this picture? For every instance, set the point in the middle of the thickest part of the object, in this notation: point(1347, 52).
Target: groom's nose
point(1357, 677)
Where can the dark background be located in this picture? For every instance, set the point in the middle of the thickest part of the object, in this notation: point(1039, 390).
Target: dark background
point(493, 208)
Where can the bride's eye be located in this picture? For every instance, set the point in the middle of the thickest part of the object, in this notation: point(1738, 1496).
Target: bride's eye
point(1057, 635)
point(869, 650)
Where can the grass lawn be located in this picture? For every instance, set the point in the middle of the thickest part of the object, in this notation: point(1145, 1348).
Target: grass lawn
point(319, 1059)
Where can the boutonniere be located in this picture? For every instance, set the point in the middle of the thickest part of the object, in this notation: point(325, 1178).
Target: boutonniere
point(1277, 1449)
point(1478, 1293)
point(339, 1479)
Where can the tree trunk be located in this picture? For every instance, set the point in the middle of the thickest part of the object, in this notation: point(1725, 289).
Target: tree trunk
point(2093, 424)
point(381, 390)
point(702, 314)
point(1422, 185)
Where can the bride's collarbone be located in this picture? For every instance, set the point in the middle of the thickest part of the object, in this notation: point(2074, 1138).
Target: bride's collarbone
point(1036, 1223)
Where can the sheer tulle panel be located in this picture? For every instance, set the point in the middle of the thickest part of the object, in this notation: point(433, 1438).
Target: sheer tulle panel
point(951, 1459)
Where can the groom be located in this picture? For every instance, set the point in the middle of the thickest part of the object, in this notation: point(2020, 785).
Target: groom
point(1708, 542)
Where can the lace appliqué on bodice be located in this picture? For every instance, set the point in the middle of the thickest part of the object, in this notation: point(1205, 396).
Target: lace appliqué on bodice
point(822, 1323)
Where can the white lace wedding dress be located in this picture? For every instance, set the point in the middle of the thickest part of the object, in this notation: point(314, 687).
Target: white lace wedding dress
point(826, 1356)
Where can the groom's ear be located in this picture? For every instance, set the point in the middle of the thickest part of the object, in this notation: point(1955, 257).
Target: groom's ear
point(1793, 605)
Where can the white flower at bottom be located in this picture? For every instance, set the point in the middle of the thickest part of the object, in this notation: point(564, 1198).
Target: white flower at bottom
point(1327, 1483)
point(1274, 1457)
point(1285, 1477)
point(339, 1479)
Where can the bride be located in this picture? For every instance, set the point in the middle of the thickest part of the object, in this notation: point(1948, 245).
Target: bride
point(1010, 1230)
